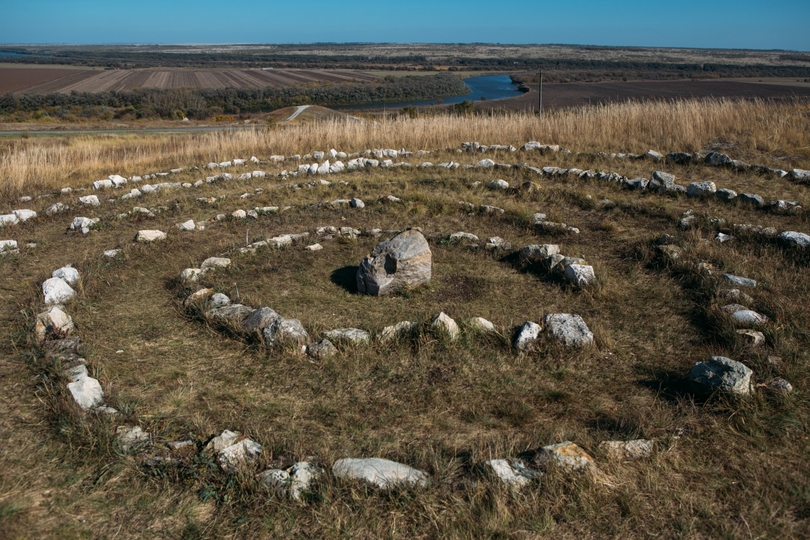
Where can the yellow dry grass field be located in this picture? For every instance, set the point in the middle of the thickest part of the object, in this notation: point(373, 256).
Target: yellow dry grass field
point(721, 465)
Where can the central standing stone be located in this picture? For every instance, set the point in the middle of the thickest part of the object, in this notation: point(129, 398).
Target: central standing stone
point(403, 261)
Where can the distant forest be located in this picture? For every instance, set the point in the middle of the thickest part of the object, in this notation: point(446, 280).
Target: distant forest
point(207, 103)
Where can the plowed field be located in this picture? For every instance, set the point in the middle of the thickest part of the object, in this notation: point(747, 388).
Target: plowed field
point(46, 80)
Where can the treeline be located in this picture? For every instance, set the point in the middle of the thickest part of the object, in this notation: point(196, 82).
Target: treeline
point(206, 103)
point(559, 69)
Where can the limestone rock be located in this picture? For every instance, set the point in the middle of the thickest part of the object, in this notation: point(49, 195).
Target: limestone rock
point(498, 184)
point(795, 239)
point(666, 180)
point(57, 291)
point(259, 320)
point(726, 194)
point(403, 261)
point(569, 329)
point(497, 243)
point(187, 225)
point(218, 300)
point(24, 215)
point(322, 349)
point(69, 274)
point(721, 373)
point(83, 224)
point(512, 472)
point(222, 441)
point(130, 436)
point(580, 275)
point(752, 198)
point(353, 335)
point(627, 450)
point(717, 159)
point(752, 338)
point(150, 236)
point(392, 332)
point(526, 336)
point(700, 189)
point(780, 385)
point(283, 331)
point(86, 391)
point(190, 274)
point(482, 325)
point(200, 294)
point(90, 200)
point(356, 203)
point(53, 323)
point(735, 295)
point(747, 318)
point(445, 324)
point(215, 262)
point(463, 236)
point(567, 456)
point(232, 314)
point(538, 253)
point(294, 482)
point(56, 208)
point(239, 454)
point(8, 245)
point(740, 281)
point(382, 473)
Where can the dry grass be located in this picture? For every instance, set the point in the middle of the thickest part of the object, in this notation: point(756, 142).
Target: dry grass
point(777, 134)
point(723, 468)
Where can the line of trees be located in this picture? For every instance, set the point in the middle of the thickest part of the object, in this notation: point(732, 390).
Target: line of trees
point(205, 103)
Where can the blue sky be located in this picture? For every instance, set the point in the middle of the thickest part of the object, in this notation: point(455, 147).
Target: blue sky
point(778, 24)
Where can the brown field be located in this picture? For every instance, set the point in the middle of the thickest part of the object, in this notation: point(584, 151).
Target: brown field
point(14, 79)
point(47, 80)
point(557, 95)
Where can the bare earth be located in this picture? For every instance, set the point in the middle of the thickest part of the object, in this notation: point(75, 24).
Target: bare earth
point(47, 80)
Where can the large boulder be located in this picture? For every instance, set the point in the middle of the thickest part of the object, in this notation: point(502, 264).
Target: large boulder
point(721, 373)
point(403, 261)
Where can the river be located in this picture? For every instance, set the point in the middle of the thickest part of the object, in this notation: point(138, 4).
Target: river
point(486, 87)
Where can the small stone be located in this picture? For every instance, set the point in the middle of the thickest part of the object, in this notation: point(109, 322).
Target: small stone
point(627, 450)
point(187, 225)
point(497, 243)
point(353, 335)
point(735, 295)
point(795, 239)
point(569, 329)
point(463, 236)
point(215, 262)
point(83, 224)
point(190, 274)
point(526, 336)
point(69, 274)
point(90, 200)
point(498, 184)
point(112, 253)
point(567, 456)
point(538, 253)
point(445, 324)
point(780, 385)
point(259, 320)
point(357, 203)
point(53, 323)
point(401, 328)
point(512, 472)
point(224, 440)
point(232, 314)
point(700, 189)
point(739, 281)
point(283, 331)
point(218, 300)
point(482, 325)
point(200, 294)
point(57, 291)
point(130, 437)
point(717, 159)
point(747, 318)
point(239, 454)
point(752, 338)
point(314, 247)
point(721, 373)
point(322, 349)
point(86, 391)
point(580, 275)
point(726, 194)
point(150, 236)
point(752, 198)
point(382, 473)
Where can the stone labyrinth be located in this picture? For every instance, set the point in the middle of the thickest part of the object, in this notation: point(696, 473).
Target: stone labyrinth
point(399, 262)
